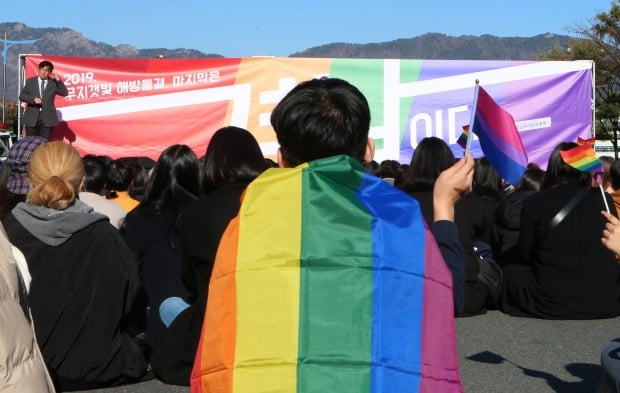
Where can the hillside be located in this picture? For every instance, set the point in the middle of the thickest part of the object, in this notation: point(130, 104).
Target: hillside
point(68, 42)
point(440, 46)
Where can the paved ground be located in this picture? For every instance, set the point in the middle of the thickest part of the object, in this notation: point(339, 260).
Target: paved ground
point(499, 353)
point(503, 354)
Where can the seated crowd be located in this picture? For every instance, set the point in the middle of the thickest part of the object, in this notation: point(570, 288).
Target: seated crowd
point(121, 252)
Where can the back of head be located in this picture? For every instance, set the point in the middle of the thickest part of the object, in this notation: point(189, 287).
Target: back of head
point(139, 182)
point(233, 156)
point(431, 157)
point(94, 174)
point(531, 180)
point(321, 118)
point(390, 169)
point(119, 174)
point(175, 180)
point(559, 172)
point(55, 172)
point(487, 182)
point(373, 168)
point(614, 175)
point(605, 177)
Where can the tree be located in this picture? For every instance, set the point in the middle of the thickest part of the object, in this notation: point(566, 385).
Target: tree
point(600, 42)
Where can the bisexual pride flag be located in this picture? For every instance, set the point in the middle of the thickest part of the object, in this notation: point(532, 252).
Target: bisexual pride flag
point(499, 138)
point(328, 280)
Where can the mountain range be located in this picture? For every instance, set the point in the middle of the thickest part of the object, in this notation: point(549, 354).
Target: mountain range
point(68, 42)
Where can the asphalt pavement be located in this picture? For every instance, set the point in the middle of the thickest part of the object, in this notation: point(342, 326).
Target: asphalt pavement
point(503, 354)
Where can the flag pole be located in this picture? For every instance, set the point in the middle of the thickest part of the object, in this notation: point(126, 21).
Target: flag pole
point(600, 186)
point(471, 119)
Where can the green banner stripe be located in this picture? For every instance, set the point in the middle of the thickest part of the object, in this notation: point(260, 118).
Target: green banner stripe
point(336, 284)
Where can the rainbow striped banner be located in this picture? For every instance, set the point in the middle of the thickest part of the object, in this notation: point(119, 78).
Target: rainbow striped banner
point(327, 280)
point(154, 103)
point(582, 157)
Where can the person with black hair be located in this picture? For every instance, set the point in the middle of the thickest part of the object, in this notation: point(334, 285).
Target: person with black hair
point(390, 171)
point(473, 216)
point(560, 269)
point(508, 213)
point(487, 181)
point(93, 190)
point(150, 230)
point(232, 160)
point(322, 125)
point(614, 182)
point(39, 92)
point(119, 175)
point(372, 167)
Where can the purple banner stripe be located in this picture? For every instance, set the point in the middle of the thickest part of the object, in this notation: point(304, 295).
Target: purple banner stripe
point(481, 127)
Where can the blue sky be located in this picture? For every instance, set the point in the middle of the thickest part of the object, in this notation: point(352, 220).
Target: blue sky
point(247, 28)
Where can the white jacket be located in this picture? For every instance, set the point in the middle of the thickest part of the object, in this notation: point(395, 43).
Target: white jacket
point(22, 369)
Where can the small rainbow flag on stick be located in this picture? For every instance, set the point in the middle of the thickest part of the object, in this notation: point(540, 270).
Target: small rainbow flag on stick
point(589, 141)
point(583, 158)
point(462, 141)
point(314, 290)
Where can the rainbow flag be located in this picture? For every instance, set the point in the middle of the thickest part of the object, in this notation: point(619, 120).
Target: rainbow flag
point(327, 280)
point(582, 157)
point(589, 141)
point(462, 141)
point(499, 138)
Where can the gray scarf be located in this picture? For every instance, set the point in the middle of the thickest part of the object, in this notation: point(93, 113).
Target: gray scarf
point(54, 227)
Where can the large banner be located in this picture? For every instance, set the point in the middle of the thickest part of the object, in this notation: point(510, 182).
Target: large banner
point(138, 107)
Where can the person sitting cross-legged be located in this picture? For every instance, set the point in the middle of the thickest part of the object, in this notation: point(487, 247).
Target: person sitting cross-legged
point(328, 278)
point(85, 292)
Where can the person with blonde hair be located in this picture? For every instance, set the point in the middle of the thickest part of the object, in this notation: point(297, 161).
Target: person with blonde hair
point(85, 286)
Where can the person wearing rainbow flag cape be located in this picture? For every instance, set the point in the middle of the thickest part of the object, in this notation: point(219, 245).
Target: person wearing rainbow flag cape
point(329, 279)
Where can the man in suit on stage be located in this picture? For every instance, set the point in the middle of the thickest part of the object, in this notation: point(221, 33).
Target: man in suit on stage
point(39, 93)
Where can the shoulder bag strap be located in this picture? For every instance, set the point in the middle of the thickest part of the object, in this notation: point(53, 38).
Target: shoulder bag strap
point(559, 217)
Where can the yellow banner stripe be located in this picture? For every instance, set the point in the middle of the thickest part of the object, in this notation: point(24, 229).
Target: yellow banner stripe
point(268, 284)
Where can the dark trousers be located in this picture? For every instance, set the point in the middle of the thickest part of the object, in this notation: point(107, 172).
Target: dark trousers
point(39, 130)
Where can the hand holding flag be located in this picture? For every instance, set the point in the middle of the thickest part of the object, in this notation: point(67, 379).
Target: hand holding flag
point(584, 159)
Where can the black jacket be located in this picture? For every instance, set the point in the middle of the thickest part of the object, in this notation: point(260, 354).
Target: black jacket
point(83, 294)
point(201, 226)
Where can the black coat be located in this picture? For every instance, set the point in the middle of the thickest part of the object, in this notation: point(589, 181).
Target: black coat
point(473, 217)
point(563, 273)
point(508, 222)
point(202, 224)
point(152, 237)
point(83, 293)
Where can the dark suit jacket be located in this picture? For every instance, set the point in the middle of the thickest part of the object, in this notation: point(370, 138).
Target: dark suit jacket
point(47, 110)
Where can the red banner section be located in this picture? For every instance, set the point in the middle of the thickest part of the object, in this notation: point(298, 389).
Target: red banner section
point(138, 107)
